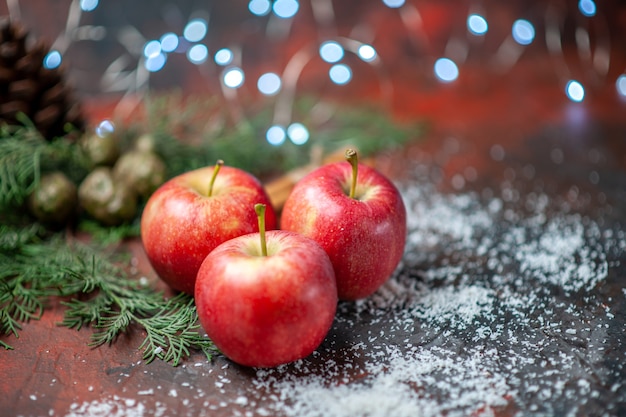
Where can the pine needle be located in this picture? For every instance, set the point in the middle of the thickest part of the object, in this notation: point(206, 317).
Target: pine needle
point(100, 292)
point(24, 155)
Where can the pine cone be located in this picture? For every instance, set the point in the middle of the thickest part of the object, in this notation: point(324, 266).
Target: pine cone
point(28, 87)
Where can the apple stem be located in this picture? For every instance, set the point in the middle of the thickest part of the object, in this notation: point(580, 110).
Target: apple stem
point(218, 165)
point(260, 213)
point(353, 158)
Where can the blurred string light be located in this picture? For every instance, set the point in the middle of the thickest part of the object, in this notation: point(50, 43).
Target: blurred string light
point(104, 128)
point(446, 70)
point(155, 52)
point(340, 74)
point(367, 53)
point(198, 54)
point(477, 24)
point(154, 57)
point(276, 135)
point(587, 7)
point(523, 32)
point(298, 133)
point(331, 52)
point(394, 4)
point(195, 30)
point(169, 42)
point(269, 84)
point(575, 91)
point(155, 62)
point(620, 84)
point(233, 77)
point(224, 57)
point(152, 49)
point(259, 7)
point(88, 5)
point(52, 60)
point(285, 9)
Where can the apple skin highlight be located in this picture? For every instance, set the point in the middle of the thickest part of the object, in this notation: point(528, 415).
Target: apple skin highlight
point(363, 236)
point(264, 311)
point(181, 224)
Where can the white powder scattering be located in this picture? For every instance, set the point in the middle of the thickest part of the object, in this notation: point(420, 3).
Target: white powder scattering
point(400, 386)
point(450, 217)
point(560, 256)
point(241, 400)
point(111, 407)
point(454, 307)
point(492, 308)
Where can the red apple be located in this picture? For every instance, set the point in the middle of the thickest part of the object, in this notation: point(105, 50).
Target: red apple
point(266, 299)
point(191, 214)
point(357, 215)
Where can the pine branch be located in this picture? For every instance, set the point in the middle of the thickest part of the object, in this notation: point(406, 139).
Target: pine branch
point(173, 331)
point(24, 155)
point(109, 325)
point(107, 236)
point(12, 237)
point(80, 313)
point(101, 295)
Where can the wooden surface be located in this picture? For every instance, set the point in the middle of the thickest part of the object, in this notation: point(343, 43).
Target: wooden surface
point(522, 160)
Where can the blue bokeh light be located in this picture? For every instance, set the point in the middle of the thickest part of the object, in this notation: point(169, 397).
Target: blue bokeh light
point(285, 8)
point(394, 4)
point(269, 84)
point(234, 77)
point(587, 7)
point(298, 133)
point(259, 7)
point(52, 59)
point(223, 57)
point(446, 70)
point(331, 52)
point(575, 91)
point(340, 74)
point(156, 62)
point(169, 42)
point(198, 54)
point(276, 135)
point(88, 5)
point(367, 53)
point(620, 84)
point(104, 128)
point(152, 49)
point(477, 24)
point(523, 32)
point(195, 30)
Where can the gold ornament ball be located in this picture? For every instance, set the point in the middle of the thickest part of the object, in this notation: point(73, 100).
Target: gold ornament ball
point(106, 200)
point(145, 143)
point(141, 171)
point(101, 150)
point(54, 200)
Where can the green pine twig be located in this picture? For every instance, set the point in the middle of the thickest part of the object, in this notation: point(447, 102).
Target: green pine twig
point(25, 155)
point(100, 294)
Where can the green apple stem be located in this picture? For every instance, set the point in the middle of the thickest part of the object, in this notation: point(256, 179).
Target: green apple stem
point(353, 158)
point(218, 165)
point(260, 213)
